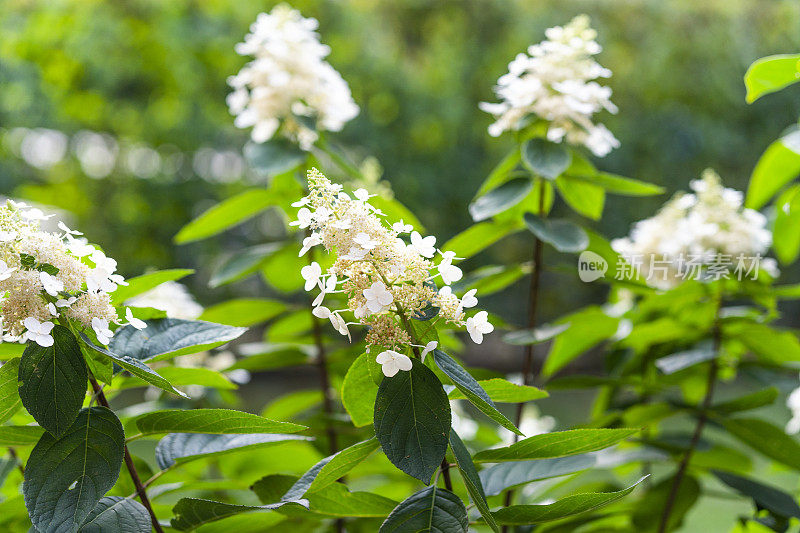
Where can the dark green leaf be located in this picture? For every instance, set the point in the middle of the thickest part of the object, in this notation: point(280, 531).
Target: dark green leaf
point(766, 438)
point(656, 498)
point(241, 264)
point(147, 282)
point(412, 421)
point(169, 337)
point(774, 500)
point(562, 234)
point(556, 444)
point(503, 391)
point(226, 214)
point(275, 156)
point(191, 513)
point(431, 509)
point(571, 505)
point(470, 388)
point(545, 158)
point(471, 478)
point(498, 200)
point(184, 447)
point(10, 401)
point(748, 401)
point(359, 392)
point(114, 514)
point(135, 367)
point(211, 421)
point(66, 477)
point(52, 381)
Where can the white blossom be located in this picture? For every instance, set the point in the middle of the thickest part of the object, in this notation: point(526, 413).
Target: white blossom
point(100, 327)
point(51, 284)
point(311, 274)
point(478, 326)
point(133, 321)
point(402, 227)
point(378, 298)
point(450, 273)
point(38, 332)
point(424, 246)
point(428, 348)
point(288, 78)
point(392, 362)
point(553, 82)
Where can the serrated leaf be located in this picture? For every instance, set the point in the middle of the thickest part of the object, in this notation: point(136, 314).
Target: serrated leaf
point(563, 235)
point(241, 264)
point(470, 388)
point(545, 158)
point(20, 435)
point(191, 513)
point(184, 447)
point(10, 402)
point(556, 444)
point(471, 478)
point(569, 506)
point(243, 311)
point(412, 421)
point(359, 392)
point(503, 391)
point(169, 337)
point(431, 509)
point(769, 74)
point(766, 438)
point(114, 514)
point(777, 166)
point(135, 367)
point(226, 214)
point(52, 381)
point(210, 421)
point(766, 497)
point(66, 477)
point(500, 199)
point(146, 282)
point(274, 156)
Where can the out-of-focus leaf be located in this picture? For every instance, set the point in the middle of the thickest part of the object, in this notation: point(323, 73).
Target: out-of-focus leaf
point(191, 513)
point(769, 74)
point(10, 401)
point(500, 174)
point(180, 376)
point(213, 421)
point(359, 392)
point(241, 264)
point(765, 497)
point(147, 282)
point(545, 158)
point(20, 435)
point(585, 198)
point(766, 438)
point(774, 345)
point(777, 166)
point(292, 403)
point(656, 498)
point(587, 328)
point(480, 236)
point(682, 360)
point(225, 214)
point(498, 200)
point(243, 311)
point(556, 444)
point(274, 156)
point(562, 234)
point(748, 401)
point(503, 391)
point(786, 229)
point(538, 335)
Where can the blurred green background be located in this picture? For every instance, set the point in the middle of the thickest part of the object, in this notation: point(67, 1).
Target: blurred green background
point(138, 90)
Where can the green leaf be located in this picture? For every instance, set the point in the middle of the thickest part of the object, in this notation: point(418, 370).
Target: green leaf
point(114, 514)
point(470, 388)
point(471, 479)
point(225, 214)
point(181, 376)
point(191, 513)
point(491, 278)
point(582, 169)
point(774, 345)
point(786, 228)
point(147, 282)
point(538, 335)
point(243, 311)
point(20, 435)
point(585, 198)
point(777, 166)
point(480, 236)
point(412, 421)
point(184, 447)
point(562, 234)
point(503, 391)
point(52, 381)
point(293, 403)
point(656, 498)
point(501, 172)
point(545, 158)
point(747, 402)
point(340, 463)
point(274, 156)
point(770, 74)
point(135, 367)
point(66, 477)
point(169, 337)
point(766, 438)
point(337, 501)
point(571, 505)
point(10, 401)
point(10, 350)
point(431, 509)
point(556, 444)
point(359, 392)
point(587, 328)
point(682, 360)
point(242, 263)
point(212, 421)
point(498, 200)
point(772, 499)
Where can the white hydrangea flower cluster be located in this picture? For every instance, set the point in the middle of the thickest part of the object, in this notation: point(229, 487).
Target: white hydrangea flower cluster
point(386, 279)
point(46, 277)
point(695, 230)
point(553, 82)
point(288, 78)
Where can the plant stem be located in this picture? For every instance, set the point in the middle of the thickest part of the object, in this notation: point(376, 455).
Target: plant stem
point(137, 482)
point(533, 308)
point(445, 469)
point(698, 430)
point(14, 457)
